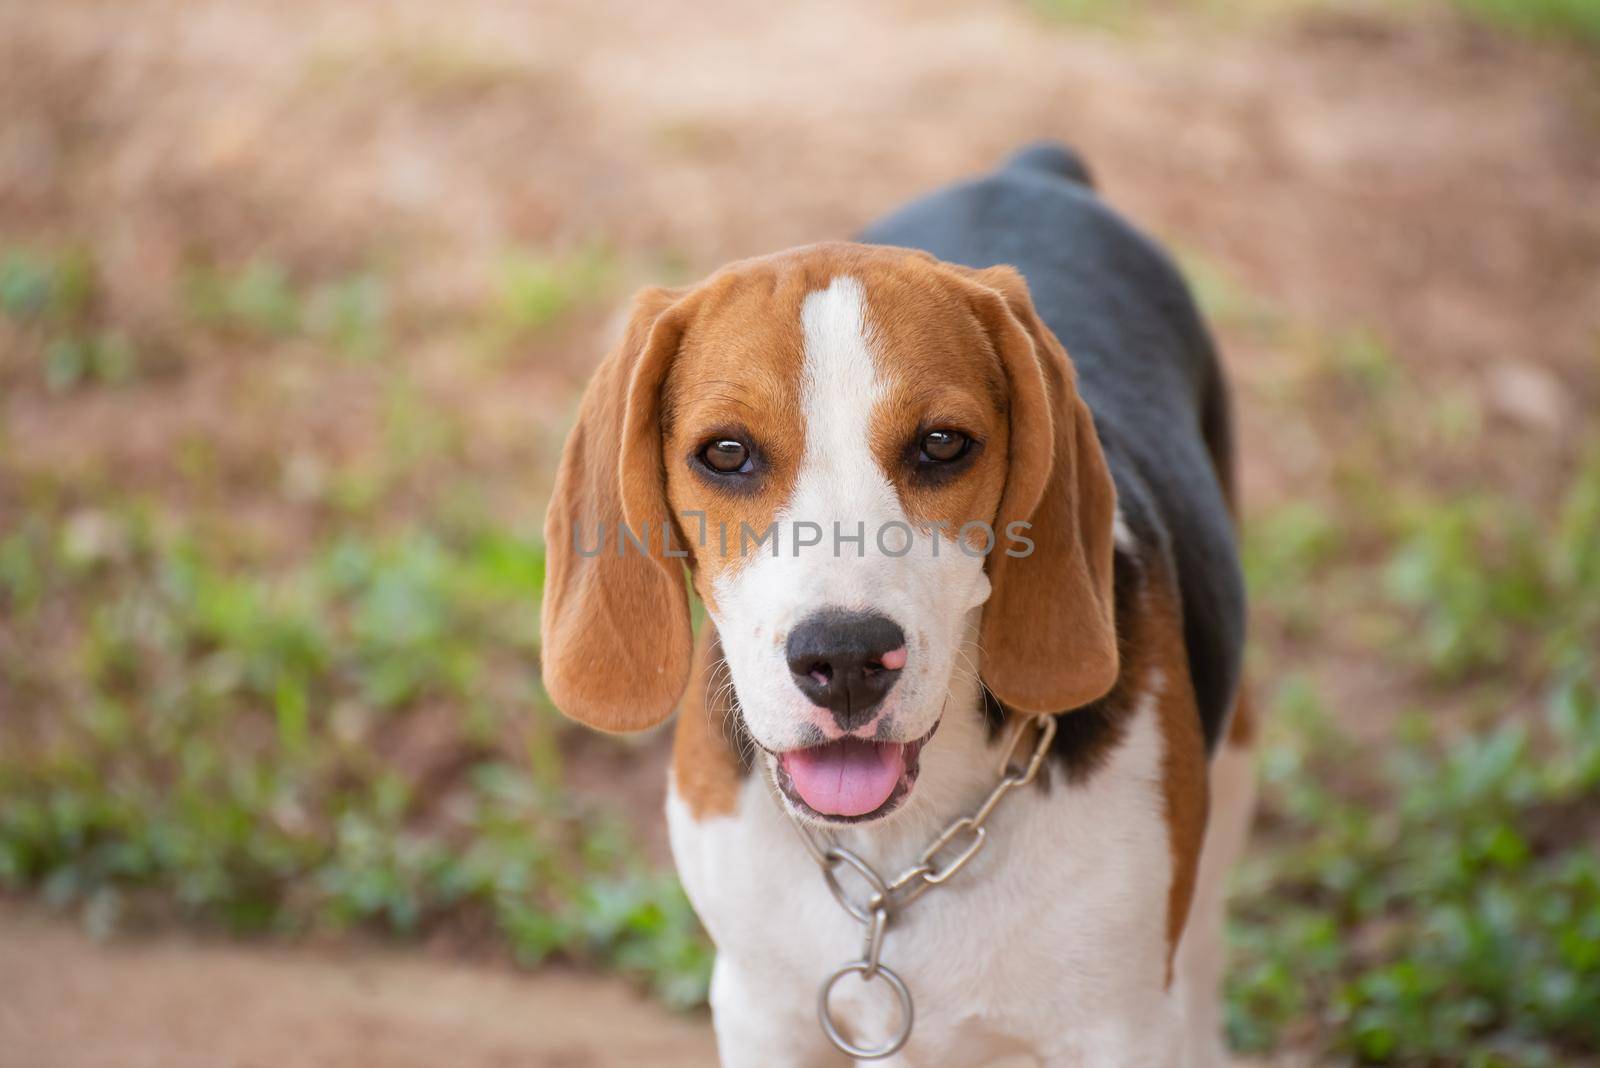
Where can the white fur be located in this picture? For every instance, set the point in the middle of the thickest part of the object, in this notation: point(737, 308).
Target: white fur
point(1051, 945)
point(929, 591)
point(1121, 536)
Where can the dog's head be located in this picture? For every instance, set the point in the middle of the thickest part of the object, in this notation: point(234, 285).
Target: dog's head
point(877, 472)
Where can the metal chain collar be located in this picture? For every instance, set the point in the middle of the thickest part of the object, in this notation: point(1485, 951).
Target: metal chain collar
point(888, 897)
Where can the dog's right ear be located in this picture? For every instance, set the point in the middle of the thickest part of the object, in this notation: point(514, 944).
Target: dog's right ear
point(616, 644)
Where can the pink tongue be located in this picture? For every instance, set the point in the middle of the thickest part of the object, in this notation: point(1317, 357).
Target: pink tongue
point(850, 777)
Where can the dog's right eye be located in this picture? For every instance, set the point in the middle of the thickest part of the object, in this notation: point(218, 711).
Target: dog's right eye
point(726, 456)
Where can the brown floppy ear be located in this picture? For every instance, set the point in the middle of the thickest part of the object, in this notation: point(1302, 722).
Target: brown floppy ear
point(1048, 636)
point(615, 635)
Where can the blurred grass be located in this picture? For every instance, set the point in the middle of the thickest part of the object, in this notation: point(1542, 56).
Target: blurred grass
point(257, 300)
point(55, 299)
point(537, 291)
point(354, 735)
point(235, 747)
point(1455, 922)
point(1441, 906)
point(1430, 898)
point(1577, 20)
point(344, 731)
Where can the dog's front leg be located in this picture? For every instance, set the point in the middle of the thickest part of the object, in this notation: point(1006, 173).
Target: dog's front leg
point(757, 1027)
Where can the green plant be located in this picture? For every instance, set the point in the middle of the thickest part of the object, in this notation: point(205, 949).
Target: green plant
point(55, 298)
point(236, 748)
point(73, 359)
point(1484, 578)
point(1472, 570)
point(1463, 914)
point(537, 291)
point(58, 288)
point(256, 299)
point(1284, 553)
point(1082, 12)
point(1434, 901)
point(1573, 19)
point(351, 315)
point(1227, 303)
point(260, 300)
point(26, 285)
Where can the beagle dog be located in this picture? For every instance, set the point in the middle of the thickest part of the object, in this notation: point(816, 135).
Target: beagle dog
point(968, 475)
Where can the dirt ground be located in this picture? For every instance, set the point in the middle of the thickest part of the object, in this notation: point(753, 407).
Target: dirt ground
point(180, 1002)
point(1411, 175)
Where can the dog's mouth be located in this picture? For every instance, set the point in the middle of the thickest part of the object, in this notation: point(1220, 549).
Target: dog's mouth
point(850, 780)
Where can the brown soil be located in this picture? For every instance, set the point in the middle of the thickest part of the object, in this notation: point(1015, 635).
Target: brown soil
point(1414, 177)
point(175, 1002)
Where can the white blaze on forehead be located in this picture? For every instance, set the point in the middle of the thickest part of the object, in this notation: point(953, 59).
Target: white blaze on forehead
point(841, 490)
point(839, 478)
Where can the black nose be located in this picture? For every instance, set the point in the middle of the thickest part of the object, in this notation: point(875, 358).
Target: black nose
point(837, 661)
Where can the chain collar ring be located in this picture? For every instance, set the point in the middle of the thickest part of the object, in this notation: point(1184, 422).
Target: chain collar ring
point(890, 896)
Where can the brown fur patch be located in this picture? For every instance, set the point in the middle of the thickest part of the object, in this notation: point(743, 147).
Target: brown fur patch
point(739, 371)
point(1185, 784)
point(708, 763)
point(1242, 728)
point(737, 374)
point(1060, 595)
point(599, 667)
point(940, 371)
point(1150, 639)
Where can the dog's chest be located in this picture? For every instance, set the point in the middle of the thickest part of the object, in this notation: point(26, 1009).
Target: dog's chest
point(1057, 926)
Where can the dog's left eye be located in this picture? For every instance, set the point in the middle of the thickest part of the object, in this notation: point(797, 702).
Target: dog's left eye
point(726, 456)
point(943, 446)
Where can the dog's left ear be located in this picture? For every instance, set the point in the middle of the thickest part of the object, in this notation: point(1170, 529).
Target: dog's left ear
point(1049, 639)
point(616, 643)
